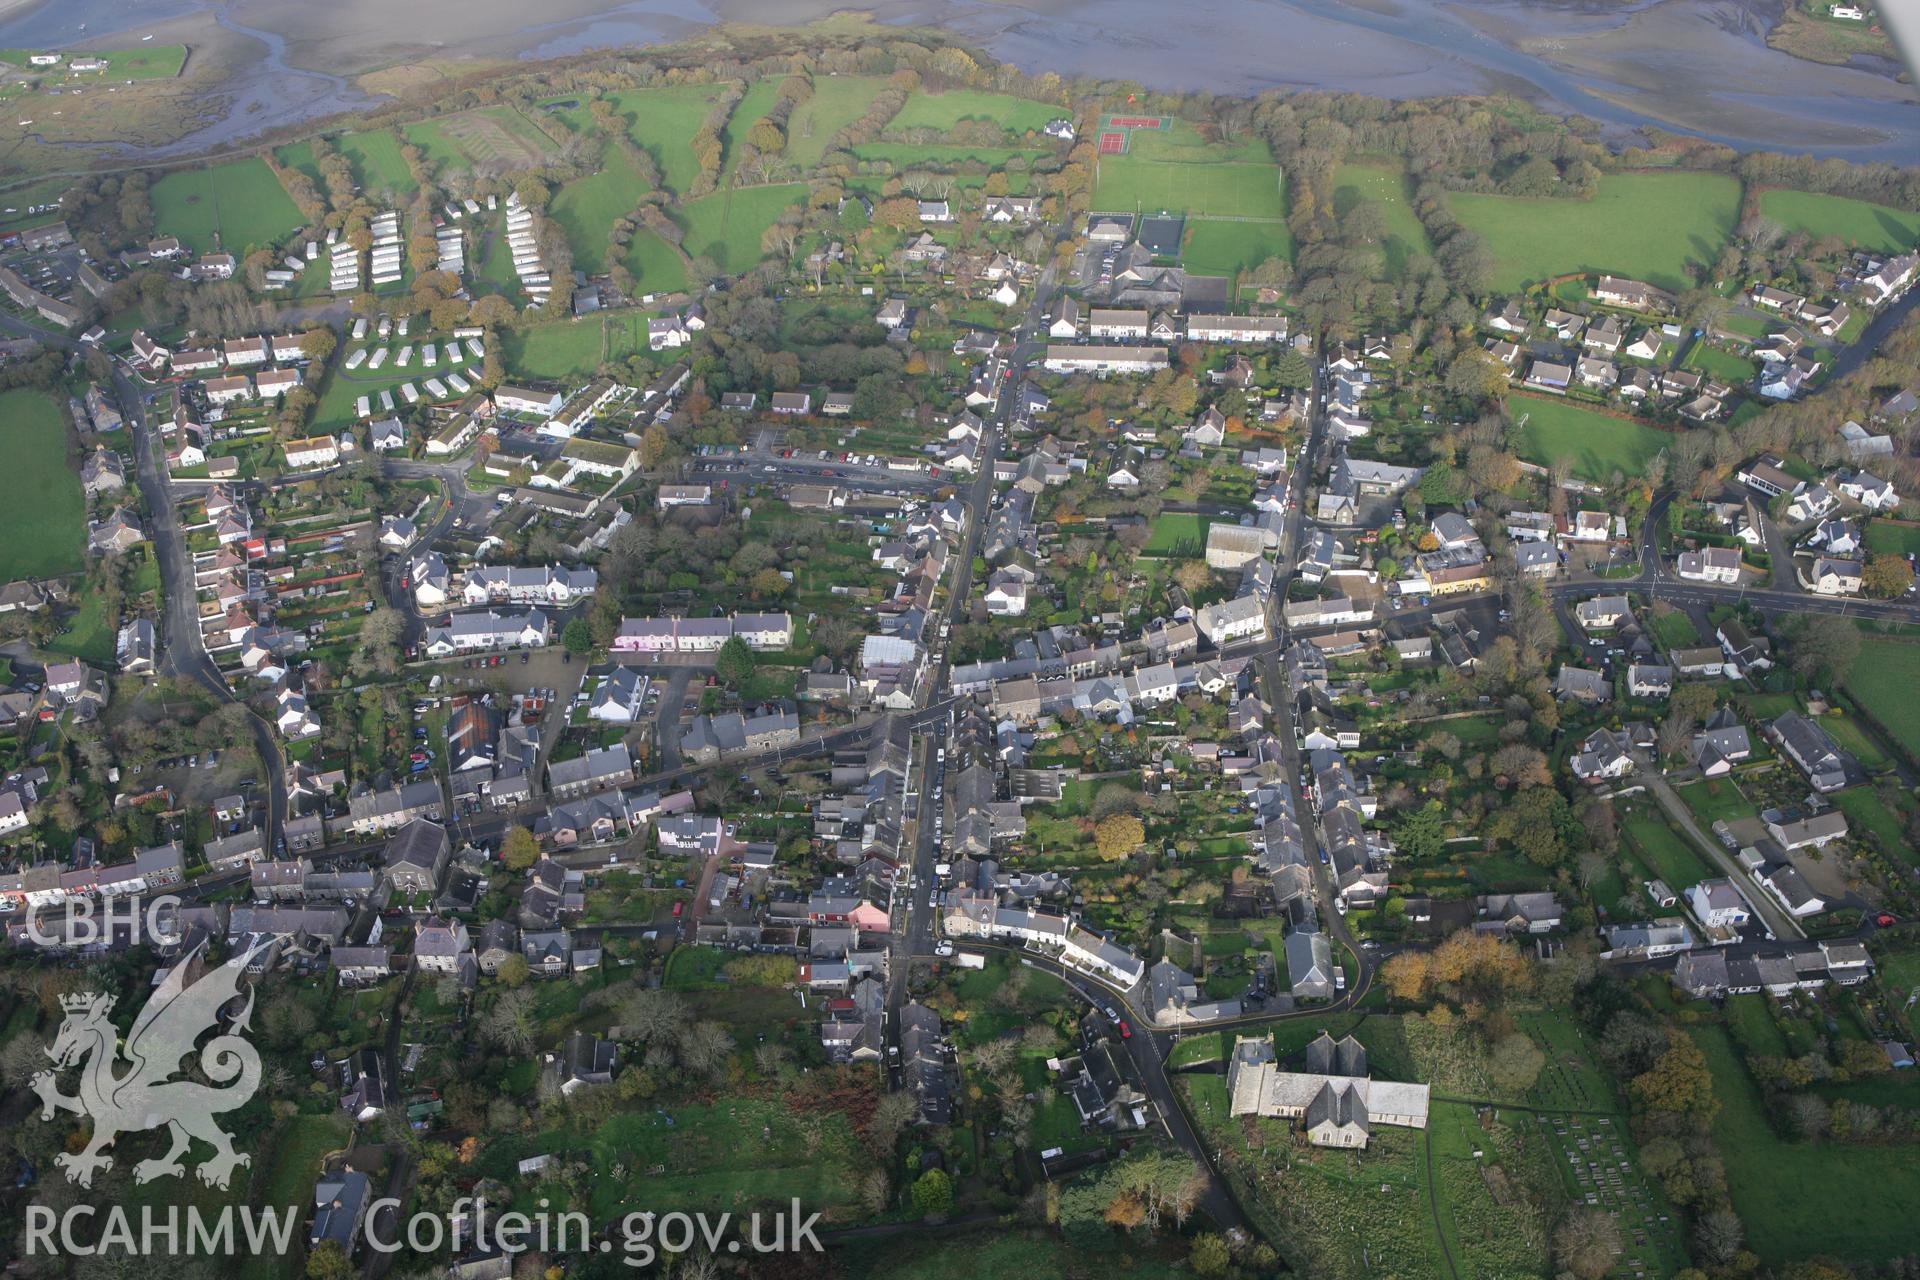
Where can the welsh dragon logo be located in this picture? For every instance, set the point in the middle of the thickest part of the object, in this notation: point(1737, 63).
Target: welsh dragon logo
point(168, 1026)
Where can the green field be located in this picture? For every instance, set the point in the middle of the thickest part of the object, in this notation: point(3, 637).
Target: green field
point(837, 101)
point(1596, 444)
point(757, 102)
point(1889, 537)
point(1870, 226)
point(1388, 190)
point(1226, 189)
point(586, 208)
point(43, 518)
point(231, 206)
point(663, 121)
point(655, 266)
point(1798, 1199)
point(727, 225)
point(944, 110)
point(1216, 248)
point(377, 166)
point(1646, 226)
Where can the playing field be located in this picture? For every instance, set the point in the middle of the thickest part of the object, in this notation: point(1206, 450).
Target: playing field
point(944, 110)
point(663, 121)
point(1870, 226)
point(1388, 191)
point(42, 511)
point(1216, 248)
point(1595, 444)
point(1645, 226)
point(587, 207)
point(1225, 189)
point(232, 206)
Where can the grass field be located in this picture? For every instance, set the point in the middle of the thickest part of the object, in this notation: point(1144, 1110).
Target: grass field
point(377, 166)
point(1888, 536)
point(1647, 226)
point(1729, 368)
point(562, 349)
point(655, 266)
point(837, 101)
point(20, 199)
point(1666, 852)
point(1216, 248)
point(727, 225)
point(758, 101)
point(662, 121)
point(1594, 443)
point(1716, 800)
point(1798, 1199)
point(232, 206)
point(1177, 534)
point(586, 208)
point(1886, 677)
point(934, 155)
point(1858, 222)
point(488, 138)
point(43, 518)
point(1387, 188)
point(944, 110)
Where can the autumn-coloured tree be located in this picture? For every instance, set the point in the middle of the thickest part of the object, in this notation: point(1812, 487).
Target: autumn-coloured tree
point(1118, 835)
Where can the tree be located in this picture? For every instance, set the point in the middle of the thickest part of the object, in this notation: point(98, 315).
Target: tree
point(1476, 375)
point(1209, 1255)
point(1586, 1242)
point(1887, 576)
point(1825, 644)
point(1193, 576)
point(1405, 975)
point(932, 1194)
point(578, 636)
point(328, 1261)
point(1719, 1234)
point(1677, 1081)
point(1516, 1063)
point(1118, 835)
point(513, 971)
point(519, 850)
point(735, 663)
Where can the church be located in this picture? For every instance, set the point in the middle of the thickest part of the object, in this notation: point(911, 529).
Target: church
point(1334, 1097)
